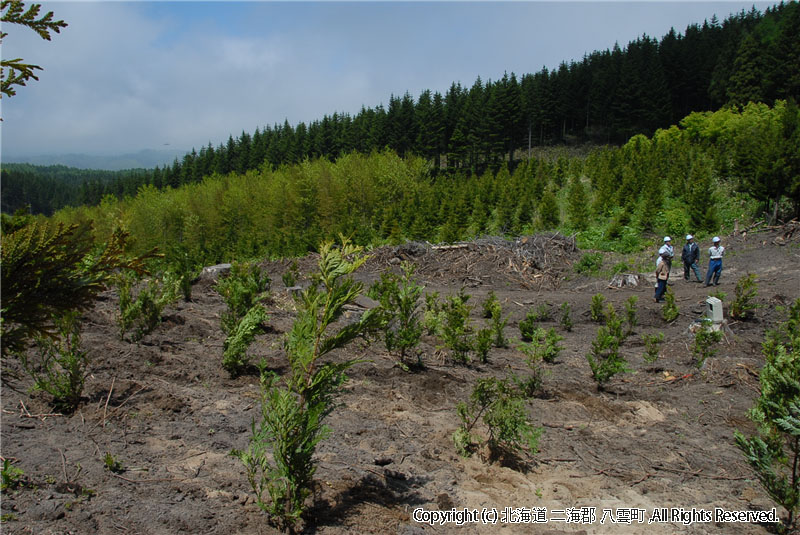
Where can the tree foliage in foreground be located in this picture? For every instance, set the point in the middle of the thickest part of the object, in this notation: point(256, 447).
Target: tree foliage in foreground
point(774, 451)
point(48, 269)
point(279, 459)
point(13, 72)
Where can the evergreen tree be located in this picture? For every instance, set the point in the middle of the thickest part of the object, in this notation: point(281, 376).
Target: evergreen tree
point(577, 205)
point(549, 216)
point(749, 71)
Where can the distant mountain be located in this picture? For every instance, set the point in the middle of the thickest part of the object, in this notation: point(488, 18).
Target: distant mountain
point(144, 159)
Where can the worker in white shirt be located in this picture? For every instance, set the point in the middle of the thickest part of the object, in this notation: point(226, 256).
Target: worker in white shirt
point(715, 253)
point(666, 252)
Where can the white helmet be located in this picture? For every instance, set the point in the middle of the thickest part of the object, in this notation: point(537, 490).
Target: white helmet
point(715, 239)
point(689, 237)
point(667, 238)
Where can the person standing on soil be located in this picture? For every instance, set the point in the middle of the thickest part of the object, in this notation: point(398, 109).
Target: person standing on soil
point(663, 267)
point(690, 255)
point(666, 253)
point(715, 253)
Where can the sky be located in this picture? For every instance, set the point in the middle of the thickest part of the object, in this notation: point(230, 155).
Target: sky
point(129, 76)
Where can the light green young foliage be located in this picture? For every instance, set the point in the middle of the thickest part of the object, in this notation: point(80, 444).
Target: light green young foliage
point(502, 409)
point(399, 298)
point(60, 368)
point(457, 332)
point(234, 356)
point(630, 314)
point(566, 316)
point(596, 308)
point(10, 476)
point(614, 324)
point(532, 384)
point(491, 305)
point(294, 407)
point(142, 312)
point(604, 358)
point(670, 310)
point(705, 341)
point(245, 286)
point(543, 345)
point(497, 327)
point(743, 306)
point(652, 344)
point(774, 452)
point(433, 316)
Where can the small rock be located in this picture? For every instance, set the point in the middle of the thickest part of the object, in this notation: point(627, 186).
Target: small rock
point(45, 510)
point(213, 272)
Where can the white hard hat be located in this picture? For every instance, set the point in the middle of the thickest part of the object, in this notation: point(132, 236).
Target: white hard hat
point(667, 238)
point(689, 237)
point(715, 239)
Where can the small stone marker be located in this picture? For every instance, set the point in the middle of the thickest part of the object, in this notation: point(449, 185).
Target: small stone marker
point(714, 311)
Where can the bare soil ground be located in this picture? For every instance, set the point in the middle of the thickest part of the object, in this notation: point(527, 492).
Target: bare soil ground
point(661, 436)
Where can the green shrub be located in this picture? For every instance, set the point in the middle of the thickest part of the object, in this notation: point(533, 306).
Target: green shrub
point(604, 358)
point(532, 383)
point(234, 357)
point(243, 288)
point(47, 271)
point(112, 464)
point(457, 332)
point(544, 344)
point(621, 267)
point(498, 326)
point(630, 313)
point(652, 344)
point(670, 310)
point(705, 340)
point(491, 305)
point(566, 316)
point(279, 460)
point(483, 343)
point(614, 323)
point(182, 267)
point(528, 326)
point(60, 367)
point(399, 299)
point(589, 263)
point(596, 310)
point(743, 307)
point(291, 275)
point(142, 312)
point(433, 316)
point(774, 452)
point(10, 476)
point(502, 409)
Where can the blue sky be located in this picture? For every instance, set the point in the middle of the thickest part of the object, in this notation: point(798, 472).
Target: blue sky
point(128, 76)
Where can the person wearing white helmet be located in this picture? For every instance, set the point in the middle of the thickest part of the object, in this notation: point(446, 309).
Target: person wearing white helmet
point(690, 255)
point(663, 266)
point(715, 253)
point(666, 252)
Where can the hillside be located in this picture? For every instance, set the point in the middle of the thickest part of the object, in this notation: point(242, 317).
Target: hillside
point(661, 436)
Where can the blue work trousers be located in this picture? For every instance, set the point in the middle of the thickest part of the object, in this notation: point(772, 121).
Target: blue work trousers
point(715, 270)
